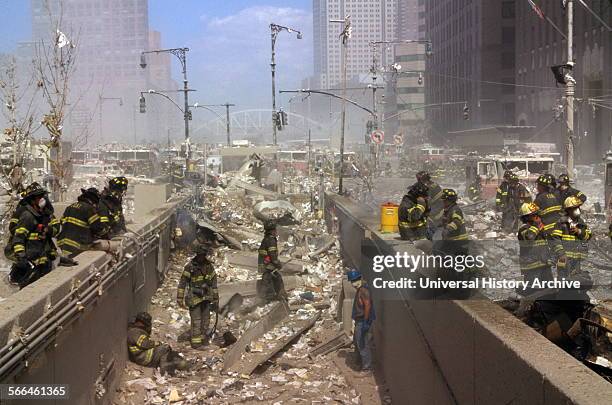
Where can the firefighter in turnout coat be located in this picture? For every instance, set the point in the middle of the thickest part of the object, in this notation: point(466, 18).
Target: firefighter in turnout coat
point(198, 291)
point(81, 224)
point(412, 213)
point(111, 207)
point(271, 287)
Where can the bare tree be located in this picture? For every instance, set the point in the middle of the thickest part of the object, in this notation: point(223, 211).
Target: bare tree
point(55, 63)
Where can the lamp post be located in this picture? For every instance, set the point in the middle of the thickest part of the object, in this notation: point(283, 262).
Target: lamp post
point(346, 33)
point(227, 116)
point(101, 101)
point(181, 54)
point(275, 29)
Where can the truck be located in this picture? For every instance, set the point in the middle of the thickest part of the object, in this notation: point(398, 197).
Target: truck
point(491, 169)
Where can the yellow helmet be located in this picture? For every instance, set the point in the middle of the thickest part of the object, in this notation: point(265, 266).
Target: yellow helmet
point(572, 202)
point(528, 209)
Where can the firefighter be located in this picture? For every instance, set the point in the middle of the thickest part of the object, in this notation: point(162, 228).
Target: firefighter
point(453, 223)
point(146, 352)
point(363, 315)
point(202, 297)
point(31, 246)
point(412, 213)
point(549, 205)
point(474, 190)
point(111, 207)
point(565, 190)
point(502, 192)
point(517, 195)
point(81, 224)
point(575, 234)
point(534, 252)
point(271, 286)
point(434, 197)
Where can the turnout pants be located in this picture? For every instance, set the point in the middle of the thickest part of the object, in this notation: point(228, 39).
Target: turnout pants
point(200, 319)
point(272, 286)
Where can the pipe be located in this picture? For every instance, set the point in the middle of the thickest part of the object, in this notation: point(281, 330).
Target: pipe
point(51, 325)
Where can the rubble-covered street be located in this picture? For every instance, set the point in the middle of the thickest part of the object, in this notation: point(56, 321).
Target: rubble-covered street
point(312, 273)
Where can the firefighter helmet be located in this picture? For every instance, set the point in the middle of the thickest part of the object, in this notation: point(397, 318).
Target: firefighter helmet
point(269, 225)
point(551, 179)
point(572, 202)
point(118, 183)
point(34, 190)
point(201, 248)
point(423, 176)
point(544, 180)
point(418, 190)
point(528, 209)
point(353, 275)
point(145, 318)
point(563, 179)
point(92, 194)
point(513, 177)
point(507, 174)
point(449, 194)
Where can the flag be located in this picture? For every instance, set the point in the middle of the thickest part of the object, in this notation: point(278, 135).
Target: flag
point(536, 9)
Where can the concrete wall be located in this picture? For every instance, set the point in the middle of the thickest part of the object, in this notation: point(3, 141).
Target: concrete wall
point(89, 346)
point(465, 352)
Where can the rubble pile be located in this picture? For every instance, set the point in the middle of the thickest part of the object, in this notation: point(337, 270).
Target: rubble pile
point(275, 366)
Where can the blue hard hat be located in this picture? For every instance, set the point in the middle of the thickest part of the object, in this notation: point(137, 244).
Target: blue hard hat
point(353, 275)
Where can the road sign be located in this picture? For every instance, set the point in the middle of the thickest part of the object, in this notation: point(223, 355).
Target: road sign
point(398, 139)
point(378, 136)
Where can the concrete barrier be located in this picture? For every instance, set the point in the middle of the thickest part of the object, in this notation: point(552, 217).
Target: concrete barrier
point(457, 352)
point(70, 326)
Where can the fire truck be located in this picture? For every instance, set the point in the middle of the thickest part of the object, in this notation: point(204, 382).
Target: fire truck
point(491, 169)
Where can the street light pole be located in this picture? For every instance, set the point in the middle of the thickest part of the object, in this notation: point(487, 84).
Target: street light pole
point(570, 91)
point(181, 54)
point(275, 29)
point(227, 116)
point(345, 35)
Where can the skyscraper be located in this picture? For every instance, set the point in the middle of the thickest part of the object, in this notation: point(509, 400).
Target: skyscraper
point(110, 35)
point(372, 20)
point(410, 19)
point(473, 52)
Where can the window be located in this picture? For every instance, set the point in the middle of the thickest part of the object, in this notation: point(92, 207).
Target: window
point(508, 9)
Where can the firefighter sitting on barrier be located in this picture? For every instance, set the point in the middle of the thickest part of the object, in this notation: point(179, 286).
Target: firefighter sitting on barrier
point(200, 281)
point(81, 224)
point(111, 207)
point(31, 246)
point(146, 352)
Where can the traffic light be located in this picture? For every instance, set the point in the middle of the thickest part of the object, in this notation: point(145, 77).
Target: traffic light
point(428, 49)
point(284, 118)
point(466, 112)
point(143, 106)
point(420, 79)
point(277, 120)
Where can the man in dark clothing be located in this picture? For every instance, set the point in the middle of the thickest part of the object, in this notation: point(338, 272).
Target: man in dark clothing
point(575, 235)
point(516, 197)
point(111, 207)
point(200, 279)
point(474, 190)
point(81, 224)
point(30, 244)
point(434, 197)
point(502, 192)
point(363, 315)
point(144, 351)
point(565, 190)
point(412, 213)
point(271, 286)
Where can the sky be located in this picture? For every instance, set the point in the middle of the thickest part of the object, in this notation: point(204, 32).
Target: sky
point(229, 41)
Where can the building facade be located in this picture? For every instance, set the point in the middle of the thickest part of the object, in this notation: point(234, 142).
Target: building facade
point(372, 20)
point(410, 19)
point(540, 46)
point(110, 35)
point(472, 65)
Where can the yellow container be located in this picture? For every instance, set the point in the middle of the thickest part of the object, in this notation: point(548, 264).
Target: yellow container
point(388, 218)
